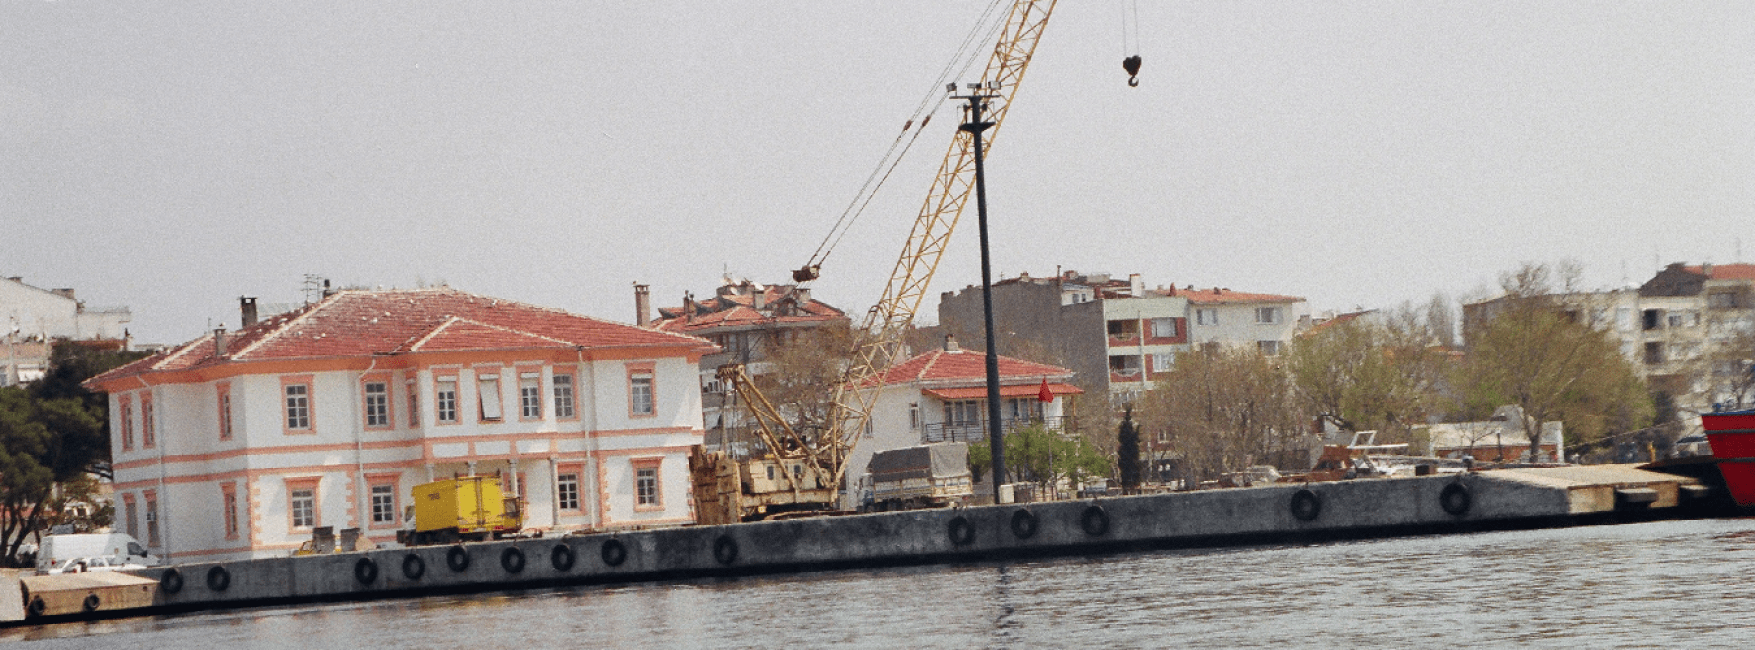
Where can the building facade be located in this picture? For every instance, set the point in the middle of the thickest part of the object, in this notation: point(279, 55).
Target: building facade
point(240, 444)
point(31, 319)
point(941, 396)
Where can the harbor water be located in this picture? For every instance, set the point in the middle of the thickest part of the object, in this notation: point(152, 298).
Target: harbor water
point(1664, 584)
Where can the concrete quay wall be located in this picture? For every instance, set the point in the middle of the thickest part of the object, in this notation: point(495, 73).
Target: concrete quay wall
point(1282, 512)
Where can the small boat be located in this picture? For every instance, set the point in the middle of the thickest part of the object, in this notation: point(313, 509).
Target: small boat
point(1732, 436)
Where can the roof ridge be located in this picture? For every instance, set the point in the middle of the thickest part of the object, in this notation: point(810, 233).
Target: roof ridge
point(458, 319)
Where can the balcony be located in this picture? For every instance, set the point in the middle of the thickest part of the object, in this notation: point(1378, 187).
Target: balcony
point(977, 431)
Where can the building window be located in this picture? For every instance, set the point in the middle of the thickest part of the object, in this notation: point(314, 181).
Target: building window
point(229, 508)
point(298, 407)
point(530, 395)
point(964, 413)
point(567, 490)
point(132, 516)
point(640, 393)
point(445, 400)
point(1654, 353)
point(1163, 361)
point(127, 428)
point(1268, 347)
point(1206, 316)
point(225, 412)
point(489, 396)
point(302, 505)
point(914, 416)
point(1267, 315)
point(1722, 300)
point(377, 404)
point(148, 437)
point(563, 396)
point(413, 391)
point(1652, 319)
point(1125, 365)
point(647, 496)
point(151, 499)
point(1164, 328)
point(384, 504)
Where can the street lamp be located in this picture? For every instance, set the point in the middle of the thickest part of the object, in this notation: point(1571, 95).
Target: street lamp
point(977, 102)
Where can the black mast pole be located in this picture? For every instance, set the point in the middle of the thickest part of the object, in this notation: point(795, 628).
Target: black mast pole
point(995, 438)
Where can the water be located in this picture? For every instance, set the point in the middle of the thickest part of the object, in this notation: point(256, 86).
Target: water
point(1665, 584)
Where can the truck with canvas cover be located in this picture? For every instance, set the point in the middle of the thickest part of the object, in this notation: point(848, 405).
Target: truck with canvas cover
point(927, 476)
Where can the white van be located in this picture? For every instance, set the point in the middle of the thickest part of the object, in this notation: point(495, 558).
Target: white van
point(62, 553)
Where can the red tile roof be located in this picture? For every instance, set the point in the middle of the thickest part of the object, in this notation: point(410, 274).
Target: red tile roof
point(1219, 296)
point(941, 365)
point(362, 323)
point(737, 309)
point(1726, 271)
point(1016, 390)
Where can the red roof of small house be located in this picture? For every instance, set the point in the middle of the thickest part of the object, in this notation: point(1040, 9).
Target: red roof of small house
point(780, 304)
point(1015, 390)
point(953, 365)
point(365, 323)
point(1217, 295)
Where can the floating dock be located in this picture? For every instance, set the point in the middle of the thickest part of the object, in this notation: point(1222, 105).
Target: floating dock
point(1279, 513)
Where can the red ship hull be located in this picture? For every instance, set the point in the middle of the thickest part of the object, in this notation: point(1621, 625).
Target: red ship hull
point(1732, 436)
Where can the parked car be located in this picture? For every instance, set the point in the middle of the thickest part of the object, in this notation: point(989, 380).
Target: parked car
point(62, 552)
point(1695, 445)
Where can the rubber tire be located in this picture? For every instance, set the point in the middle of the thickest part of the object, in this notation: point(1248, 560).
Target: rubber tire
point(36, 607)
point(458, 559)
point(1456, 499)
point(1094, 521)
point(171, 581)
point(413, 566)
point(365, 571)
point(1306, 505)
point(725, 550)
point(614, 553)
point(219, 579)
point(1024, 524)
point(961, 532)
point(91, 602)
point(512, 560)
point(562, 558)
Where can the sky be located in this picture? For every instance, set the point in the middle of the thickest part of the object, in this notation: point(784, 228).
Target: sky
point(171, 157)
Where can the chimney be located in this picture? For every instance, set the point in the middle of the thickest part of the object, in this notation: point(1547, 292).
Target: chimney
point(688, 307)
point(758, 297)
point(1136, 286)
point(642, 304)
point(247, 309)
point(1705, 269)
point(219, 342)
point(326, 291)
point(951, 343)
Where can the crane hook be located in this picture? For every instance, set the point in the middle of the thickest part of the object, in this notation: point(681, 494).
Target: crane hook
point(1132, 66)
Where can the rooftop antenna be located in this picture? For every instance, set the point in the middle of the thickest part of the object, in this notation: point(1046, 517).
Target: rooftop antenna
point(313, 284)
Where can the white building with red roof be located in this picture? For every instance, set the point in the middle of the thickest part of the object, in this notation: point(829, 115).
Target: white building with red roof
point(1264, 321)
point(941, 396)
point(239, 444)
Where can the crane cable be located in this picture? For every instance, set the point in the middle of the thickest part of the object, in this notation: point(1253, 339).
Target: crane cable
point(983, 32)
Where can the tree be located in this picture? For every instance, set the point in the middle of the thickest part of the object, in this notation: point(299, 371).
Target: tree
point(1036, 454)
point(1539, 355)
point(1370, 374)
point(1224, 410)
point(1128, 452)
point(800, 371)
point(1733, 367)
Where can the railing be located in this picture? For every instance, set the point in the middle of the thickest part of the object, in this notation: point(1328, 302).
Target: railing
point(977, 431)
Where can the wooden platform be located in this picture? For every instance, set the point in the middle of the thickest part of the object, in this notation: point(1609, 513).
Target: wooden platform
point(80, 593)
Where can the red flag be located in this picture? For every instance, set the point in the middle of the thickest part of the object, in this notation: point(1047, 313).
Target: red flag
point(1044, 395)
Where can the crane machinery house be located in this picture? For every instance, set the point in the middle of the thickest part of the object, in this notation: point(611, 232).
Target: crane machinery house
point(241, 444)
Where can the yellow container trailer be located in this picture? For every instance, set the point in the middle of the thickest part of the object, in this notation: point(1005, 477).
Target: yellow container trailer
point(463, 508)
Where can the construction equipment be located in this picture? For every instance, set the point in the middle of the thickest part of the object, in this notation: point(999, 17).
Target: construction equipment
point(822, 455)
point(462, 508)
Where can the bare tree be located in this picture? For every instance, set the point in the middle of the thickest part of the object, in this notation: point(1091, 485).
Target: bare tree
point(1362, 374)
point(1224, 410)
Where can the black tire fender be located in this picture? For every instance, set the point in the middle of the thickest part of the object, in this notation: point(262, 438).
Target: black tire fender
point(91, 602)
point(219, 579)
point(725, 549)
point(960, 530)
point(457, 558)
point(614, 553)
point(171, 581)
point(413, 567)
point(512, 559)
point(1306, 505)
point(562, 557)
point(1094, 520)
point(365, 571)
point(1024, 523)
point(1456, 499)
point(36, 607)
